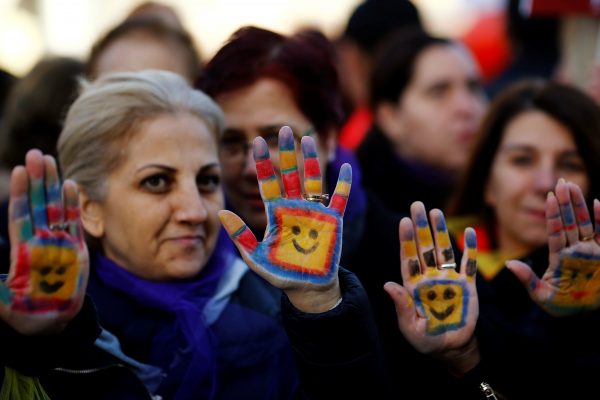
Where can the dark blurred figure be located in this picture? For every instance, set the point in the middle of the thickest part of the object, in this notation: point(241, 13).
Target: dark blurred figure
point(369, 24)
point(154, 9)
point(35, 108)
point(6, 82)
point(33, 117)
point(146, 41)
point(427, 101)
point(535, 47)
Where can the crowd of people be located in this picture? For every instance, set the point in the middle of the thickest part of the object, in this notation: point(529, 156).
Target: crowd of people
point(296, 218)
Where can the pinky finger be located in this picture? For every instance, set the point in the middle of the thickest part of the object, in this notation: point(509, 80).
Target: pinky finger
point(342, 189)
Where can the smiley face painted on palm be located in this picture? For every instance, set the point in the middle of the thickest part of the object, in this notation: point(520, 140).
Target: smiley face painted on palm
point(305, 240)
point(579, 282)
point(53, 265)
point(444, 303)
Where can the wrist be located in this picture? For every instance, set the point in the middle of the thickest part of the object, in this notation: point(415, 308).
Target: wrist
point(315, 299)
point(463, 359)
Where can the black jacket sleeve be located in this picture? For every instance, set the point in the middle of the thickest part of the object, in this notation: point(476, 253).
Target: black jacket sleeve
point(33, 355)
point(337, 351)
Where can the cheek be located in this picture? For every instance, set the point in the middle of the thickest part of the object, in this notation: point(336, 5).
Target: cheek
point(582, 181)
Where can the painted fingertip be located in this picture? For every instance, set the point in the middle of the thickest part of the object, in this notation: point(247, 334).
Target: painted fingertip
point(440, 224)
point(345, 173)
point(309, 147)
point(470, 238)
point(260, 149)
point(421, 219)
point(550, 195)
point(286, 139)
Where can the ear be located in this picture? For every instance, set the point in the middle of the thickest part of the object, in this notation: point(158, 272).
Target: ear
point(92, 215)
point(390, 119)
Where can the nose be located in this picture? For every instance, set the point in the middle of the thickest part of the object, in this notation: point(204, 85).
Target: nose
point(189, 205)
point(545, 179)
point(468, 104)
point(249, 169)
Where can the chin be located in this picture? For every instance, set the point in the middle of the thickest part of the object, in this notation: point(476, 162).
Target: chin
point(185, 267)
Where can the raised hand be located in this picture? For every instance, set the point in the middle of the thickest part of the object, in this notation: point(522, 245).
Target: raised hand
point(303, 240)
point(49, 259)
point(437, 307)
point(571, 284)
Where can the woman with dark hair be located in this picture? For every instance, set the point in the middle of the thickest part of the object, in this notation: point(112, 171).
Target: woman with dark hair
point(427, 101)
point(263, 80)
point(536, 134)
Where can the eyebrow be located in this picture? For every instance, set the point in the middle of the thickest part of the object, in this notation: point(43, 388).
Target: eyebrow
point(527, 147)
point(173, 170)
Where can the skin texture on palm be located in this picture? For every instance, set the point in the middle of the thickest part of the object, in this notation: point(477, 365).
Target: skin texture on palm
point(437, 307)
point(571, 283)
point(49, 266)
point(303, 240)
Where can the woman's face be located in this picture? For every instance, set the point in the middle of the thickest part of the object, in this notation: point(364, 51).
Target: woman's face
point(159, 218)
point(257, 110)
point(437, 116)
point(535, 151)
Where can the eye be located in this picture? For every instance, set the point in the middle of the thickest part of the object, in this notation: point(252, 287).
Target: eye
point(158, 183)
point(438, 90)
point(572, 164)
point(208, 182)
point(521, 160)
point(233, 144)
point(474, 86)
point(272, 139)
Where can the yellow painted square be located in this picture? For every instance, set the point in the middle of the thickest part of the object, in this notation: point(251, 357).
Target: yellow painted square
point(424, 236)
point(343, 188)
point(54, 272)
point(443, 305)
point(287, 159)
point(270, 189)
point(313, 186)
point(579, 283)
point(305, 242)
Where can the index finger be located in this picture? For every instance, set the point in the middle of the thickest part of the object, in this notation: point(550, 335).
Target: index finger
point(267, 181)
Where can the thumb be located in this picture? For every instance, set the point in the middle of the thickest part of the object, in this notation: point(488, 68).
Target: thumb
point(523, 273)
point(405, 308)
point(238, 231)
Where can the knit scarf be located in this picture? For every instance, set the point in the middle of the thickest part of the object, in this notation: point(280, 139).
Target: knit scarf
point(184, 346)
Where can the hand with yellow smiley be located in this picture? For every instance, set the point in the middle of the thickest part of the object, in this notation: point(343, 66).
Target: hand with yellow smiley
point(437, 306)
point(303, 240)
point(571, 284)
point(49, 259)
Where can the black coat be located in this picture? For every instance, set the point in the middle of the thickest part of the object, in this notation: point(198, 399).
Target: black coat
point(68, 364)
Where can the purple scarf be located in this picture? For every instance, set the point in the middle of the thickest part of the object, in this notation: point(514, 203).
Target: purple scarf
point(185, 347)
